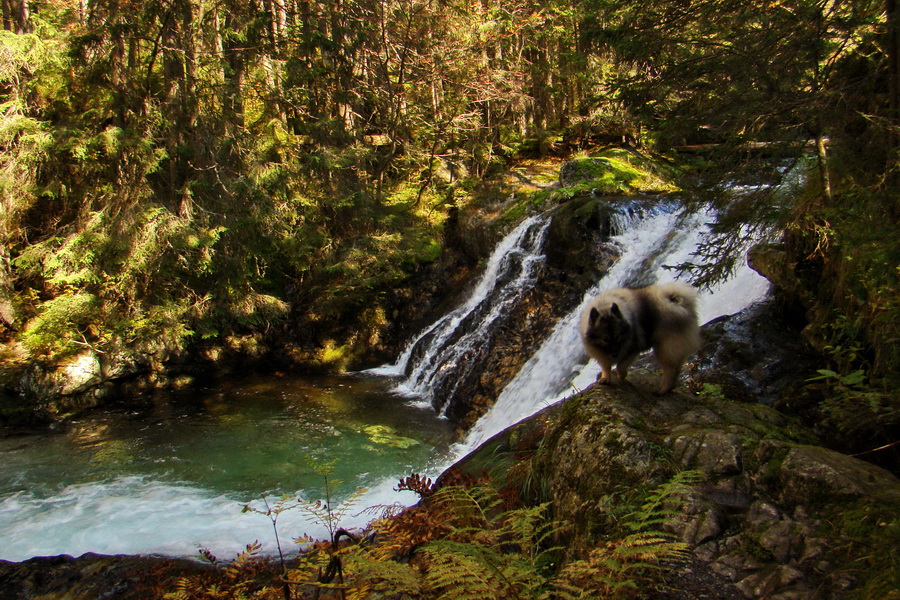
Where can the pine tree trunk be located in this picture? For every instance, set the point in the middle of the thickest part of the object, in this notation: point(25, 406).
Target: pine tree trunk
point(234, 74)
point(15, 16)
point(893, 53)
point(824, 174)
point(7, 313)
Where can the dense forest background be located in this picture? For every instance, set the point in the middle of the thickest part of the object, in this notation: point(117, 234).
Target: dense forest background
point(188, 170)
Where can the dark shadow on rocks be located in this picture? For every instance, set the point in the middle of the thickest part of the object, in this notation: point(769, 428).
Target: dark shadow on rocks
point(756, 355)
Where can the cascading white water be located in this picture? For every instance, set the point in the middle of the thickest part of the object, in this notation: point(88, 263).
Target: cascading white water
point(560, 365)
point(427, 359)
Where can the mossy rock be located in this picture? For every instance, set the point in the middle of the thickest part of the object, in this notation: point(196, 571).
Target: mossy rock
point(616, 171)
point(583, 170)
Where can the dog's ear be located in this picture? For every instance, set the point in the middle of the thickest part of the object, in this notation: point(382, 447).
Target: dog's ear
point(594, 316)
point(616, 311)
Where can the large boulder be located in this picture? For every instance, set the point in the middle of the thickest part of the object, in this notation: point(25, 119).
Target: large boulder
point(583, 170)
point(775, 513)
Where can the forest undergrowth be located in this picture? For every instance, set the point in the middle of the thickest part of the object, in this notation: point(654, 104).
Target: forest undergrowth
point(462, 540)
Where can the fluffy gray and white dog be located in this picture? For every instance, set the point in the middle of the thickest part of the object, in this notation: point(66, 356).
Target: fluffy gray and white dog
point(620, 324)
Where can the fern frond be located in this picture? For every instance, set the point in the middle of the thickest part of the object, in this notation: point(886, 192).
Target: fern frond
point(243, 561)
point(663, 503)
point(616, 567)
point(370, 574)
point(182, 590)
point(466, 507)
point(459, 571)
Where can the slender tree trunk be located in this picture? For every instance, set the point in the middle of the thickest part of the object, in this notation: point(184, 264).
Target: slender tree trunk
point(7, 313)
point(15, 16)
point(119, 76)
point(234, 73)
point(172, 75)
point(307, 20)
point(893, 54)
point(821, 150)
point(824, 174)
point(189, 104)
point(188, 49)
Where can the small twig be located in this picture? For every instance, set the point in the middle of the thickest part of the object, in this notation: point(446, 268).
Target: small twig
point(885, 447)
point(88, 344)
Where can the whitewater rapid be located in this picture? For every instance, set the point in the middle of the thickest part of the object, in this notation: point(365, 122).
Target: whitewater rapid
point(139, 515)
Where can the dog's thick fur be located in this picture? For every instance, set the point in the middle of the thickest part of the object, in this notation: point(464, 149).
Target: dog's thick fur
point(620, 324)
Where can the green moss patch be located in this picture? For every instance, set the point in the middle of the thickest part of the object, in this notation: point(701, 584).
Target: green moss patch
point(870, 551)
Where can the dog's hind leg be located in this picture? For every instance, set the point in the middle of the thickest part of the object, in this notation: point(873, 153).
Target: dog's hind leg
point(669, 379)
point(671, 355)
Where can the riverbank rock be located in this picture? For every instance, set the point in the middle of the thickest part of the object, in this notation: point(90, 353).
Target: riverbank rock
point(54, 391)
point(93, 576)
point(41, 392)
point(773, 513)
point(757, 355)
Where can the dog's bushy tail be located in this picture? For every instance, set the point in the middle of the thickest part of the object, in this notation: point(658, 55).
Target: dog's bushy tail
point(679, 294)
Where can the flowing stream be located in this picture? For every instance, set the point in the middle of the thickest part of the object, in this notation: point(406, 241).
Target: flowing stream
point(173, 476)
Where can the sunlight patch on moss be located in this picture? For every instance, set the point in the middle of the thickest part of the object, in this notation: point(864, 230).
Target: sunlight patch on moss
point(331, 354)
point(386, 435)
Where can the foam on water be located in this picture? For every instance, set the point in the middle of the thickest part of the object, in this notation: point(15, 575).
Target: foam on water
point(137, 515)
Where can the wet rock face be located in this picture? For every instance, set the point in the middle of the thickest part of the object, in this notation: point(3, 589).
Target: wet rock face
point(496, 362)
point(757, 354)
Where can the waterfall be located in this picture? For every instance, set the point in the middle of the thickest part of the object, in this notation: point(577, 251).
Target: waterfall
point(129, 498)
point(649, 239)
point(430, 364)
point(560, 366)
